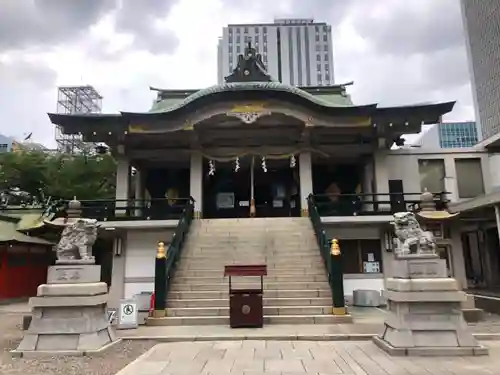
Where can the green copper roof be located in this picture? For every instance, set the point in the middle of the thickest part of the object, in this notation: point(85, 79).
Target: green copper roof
point(330, 100)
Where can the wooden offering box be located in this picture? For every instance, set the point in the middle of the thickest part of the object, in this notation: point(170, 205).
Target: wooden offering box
point(246, 305)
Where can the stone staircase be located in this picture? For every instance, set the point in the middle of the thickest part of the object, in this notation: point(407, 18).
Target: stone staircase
point(296, 290)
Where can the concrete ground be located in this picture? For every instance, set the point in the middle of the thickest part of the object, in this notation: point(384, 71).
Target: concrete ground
point(353, 355)
point(299, 357)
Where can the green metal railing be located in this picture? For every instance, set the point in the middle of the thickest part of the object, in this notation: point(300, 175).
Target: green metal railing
point(166, 261)
point(332, 258)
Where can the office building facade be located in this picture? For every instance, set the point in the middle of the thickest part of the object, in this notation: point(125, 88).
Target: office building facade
point(296, 52)
point(449, 135)
point(482, 32)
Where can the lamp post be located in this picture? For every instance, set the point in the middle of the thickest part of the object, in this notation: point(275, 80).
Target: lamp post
point(337, 276)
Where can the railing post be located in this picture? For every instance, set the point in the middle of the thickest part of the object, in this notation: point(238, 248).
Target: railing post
point(160, 281)
point(337, 277)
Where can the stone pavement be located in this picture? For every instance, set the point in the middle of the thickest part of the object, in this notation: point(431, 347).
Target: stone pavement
point(300, 357)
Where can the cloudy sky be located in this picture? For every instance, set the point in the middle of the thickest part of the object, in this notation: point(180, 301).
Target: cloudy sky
point(396, 51)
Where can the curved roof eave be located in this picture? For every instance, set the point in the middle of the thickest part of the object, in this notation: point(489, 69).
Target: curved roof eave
point(248, 87)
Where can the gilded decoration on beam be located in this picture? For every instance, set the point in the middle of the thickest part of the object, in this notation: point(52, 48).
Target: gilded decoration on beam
point(361, 121)
point(247, 117)
point(248, 113)
point(188, 126)
point(134, 128)
point(309, 123)
point(250, 107)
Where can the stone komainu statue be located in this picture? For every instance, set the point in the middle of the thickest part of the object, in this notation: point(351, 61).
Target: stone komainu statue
point(77, 239)
point(410, 238)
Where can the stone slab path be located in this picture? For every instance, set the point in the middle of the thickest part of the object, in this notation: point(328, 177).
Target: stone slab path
point(300, 357)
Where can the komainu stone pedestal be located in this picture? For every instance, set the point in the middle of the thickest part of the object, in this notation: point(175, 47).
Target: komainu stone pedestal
point(69, 313)
point(424, 311)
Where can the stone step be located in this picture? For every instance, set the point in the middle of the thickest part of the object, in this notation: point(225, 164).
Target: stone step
point(314, 285)
point(316, 256)
point(312, 258)
point(270, 251)
point(245, 246)
point(224, 302)
point(324, 292)
point(218, 272)
point(271, 268)
point(196, 265)
point(221, 279)
point(268, 310)
point(274, 319)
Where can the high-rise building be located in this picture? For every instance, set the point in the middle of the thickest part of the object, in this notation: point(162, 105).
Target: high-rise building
point(296, 52)
point(482, 31)
point(449, 135)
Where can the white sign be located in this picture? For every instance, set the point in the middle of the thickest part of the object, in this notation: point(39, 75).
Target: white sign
point(371, 267)
point(127, 317)
point(371, 257)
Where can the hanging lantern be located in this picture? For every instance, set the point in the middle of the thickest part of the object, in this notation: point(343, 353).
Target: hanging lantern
point(211, 168)
point(293, 162)
point(264, 166)
point(237, 164)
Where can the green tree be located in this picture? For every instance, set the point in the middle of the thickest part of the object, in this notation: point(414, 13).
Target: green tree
point(60, 176)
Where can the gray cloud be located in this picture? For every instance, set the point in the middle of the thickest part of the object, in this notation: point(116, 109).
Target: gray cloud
point(29, 23)
point(27, 92)
point(408, 27)
point(139, 17)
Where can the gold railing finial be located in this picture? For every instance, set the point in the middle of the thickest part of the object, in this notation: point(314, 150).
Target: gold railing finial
point(334, 247)
point(160, 252)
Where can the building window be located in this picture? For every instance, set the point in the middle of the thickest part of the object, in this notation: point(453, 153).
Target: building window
point(4, 147)
point(316, 28)
point(318, 57)
point(237, 30)
point(326, 47)
point(470, 182)
point(264, 38)
point(326, 56)
point(318, 67)
point(327, 67)
point(238, 49)
point(238, 39)
point(318, 48)
point(432, 175)
point(256, 39)
point(317, 37)
point(265, 47)
point(230, 31)
point(325, 38)
point(327, 77)
point(256, 30)
point(246, 30)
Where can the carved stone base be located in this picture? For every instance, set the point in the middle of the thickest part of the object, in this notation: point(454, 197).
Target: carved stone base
point(424, 314)
point(69, 318)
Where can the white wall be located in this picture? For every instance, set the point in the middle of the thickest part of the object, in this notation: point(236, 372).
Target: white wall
point(403, 165)
point(494, 170)
point(140, 252)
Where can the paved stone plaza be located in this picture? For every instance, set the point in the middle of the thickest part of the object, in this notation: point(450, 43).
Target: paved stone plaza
point(300, 357)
